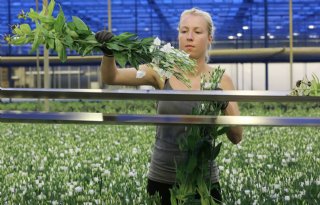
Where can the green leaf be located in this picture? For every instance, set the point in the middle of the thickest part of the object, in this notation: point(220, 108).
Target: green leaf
point(68, 41)
point(60, 50)
point(25, 28)
point(44, 9)
point(36, 41)
point(71, 33)
point(80, 25)
point(216, 151)
point(148, 41)
point(83, 33)
point(87, 50)
point(121, 59)
point(114, 47)
point(51, 7)
point(18, 31)
point(51, 43)
point(124, 36)
point(223, 130)
point(18, 40)
point(133, 62)
point(60, 21)
point(46, 19)
point(33, 15)
point(192, 163)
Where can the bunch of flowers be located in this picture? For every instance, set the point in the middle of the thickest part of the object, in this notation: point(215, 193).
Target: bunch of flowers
point(57, 34)
point(306, 87)
point(200, 144)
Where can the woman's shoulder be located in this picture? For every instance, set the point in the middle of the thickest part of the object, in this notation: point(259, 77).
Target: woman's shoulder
point(226, 82)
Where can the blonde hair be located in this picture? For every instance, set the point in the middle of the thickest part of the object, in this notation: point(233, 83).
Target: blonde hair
point(207, 17)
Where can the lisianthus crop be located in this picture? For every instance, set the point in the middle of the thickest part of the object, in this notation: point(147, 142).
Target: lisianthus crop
point(202, 148)
point(57, 34)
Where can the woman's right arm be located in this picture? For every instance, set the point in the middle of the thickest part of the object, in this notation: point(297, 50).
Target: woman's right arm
point(111, 75)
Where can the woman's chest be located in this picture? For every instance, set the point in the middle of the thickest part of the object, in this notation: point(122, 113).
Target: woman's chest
point(178, 85)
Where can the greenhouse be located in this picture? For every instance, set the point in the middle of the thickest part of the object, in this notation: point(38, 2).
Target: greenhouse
point(160, 102)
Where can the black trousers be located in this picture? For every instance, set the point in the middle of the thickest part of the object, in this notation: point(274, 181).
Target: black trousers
point(164, 191)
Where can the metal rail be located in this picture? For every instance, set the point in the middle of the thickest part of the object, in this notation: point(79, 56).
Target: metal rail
point(165, 95)
point(280, 54)
point(134, 119)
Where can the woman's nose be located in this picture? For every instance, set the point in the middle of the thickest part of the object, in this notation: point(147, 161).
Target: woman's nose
point(190, 36)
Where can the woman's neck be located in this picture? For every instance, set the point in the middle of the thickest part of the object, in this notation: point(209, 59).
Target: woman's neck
point(201, 67)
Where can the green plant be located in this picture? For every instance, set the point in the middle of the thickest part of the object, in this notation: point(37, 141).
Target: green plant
point(57, 34)
point(201, 147)
point(306, 87)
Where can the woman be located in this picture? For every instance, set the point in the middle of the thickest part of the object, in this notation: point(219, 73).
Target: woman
point(195, 37)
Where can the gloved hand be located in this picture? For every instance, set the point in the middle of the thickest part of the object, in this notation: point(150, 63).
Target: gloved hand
point(102, 37)
point(224, 104)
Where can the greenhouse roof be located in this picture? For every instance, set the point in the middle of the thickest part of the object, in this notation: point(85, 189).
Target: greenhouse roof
point(234, 19)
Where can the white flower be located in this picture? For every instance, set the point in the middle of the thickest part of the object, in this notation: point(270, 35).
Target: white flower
point(250, 155)
point(54, 202)
point(287, 198)
point(270, 166)
point(307, 183)
point(207, 85)
point(168, 74)
point(106, 173)
point(151, 48)
point(247, 192)
point(227, 160)
point(167, 48)
point(140, 74)
point(64, 168)
point(78, 189)
point(91, 191)
point(41, 196)
point(134, 150)
point(264, 189)
point(157, 42)
point(132, 173)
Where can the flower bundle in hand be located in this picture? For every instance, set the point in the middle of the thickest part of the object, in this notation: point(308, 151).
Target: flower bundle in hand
point(57, 34)
point(201, 148)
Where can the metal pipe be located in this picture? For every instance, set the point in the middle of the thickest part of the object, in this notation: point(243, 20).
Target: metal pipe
point(291, 43)
point(302, 54)
point(251, 54)
point(266, 42)
point(101, 118)
point(46, 64)
point(37, 56)
point(165, 95)
point(109, 16)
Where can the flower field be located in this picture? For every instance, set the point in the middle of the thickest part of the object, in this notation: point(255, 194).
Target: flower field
point(107, 164)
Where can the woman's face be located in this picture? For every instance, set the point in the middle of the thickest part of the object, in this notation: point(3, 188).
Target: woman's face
point(194, 37)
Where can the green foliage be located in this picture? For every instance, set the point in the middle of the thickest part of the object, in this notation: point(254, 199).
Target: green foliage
point(286, 157)
point(57, 34)
point(306, 87)
point(202, 148)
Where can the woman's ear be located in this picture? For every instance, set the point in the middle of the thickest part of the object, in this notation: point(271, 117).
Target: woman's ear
point(210, 38)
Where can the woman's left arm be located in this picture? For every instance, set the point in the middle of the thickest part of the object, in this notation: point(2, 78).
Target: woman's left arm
point(235, 132)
